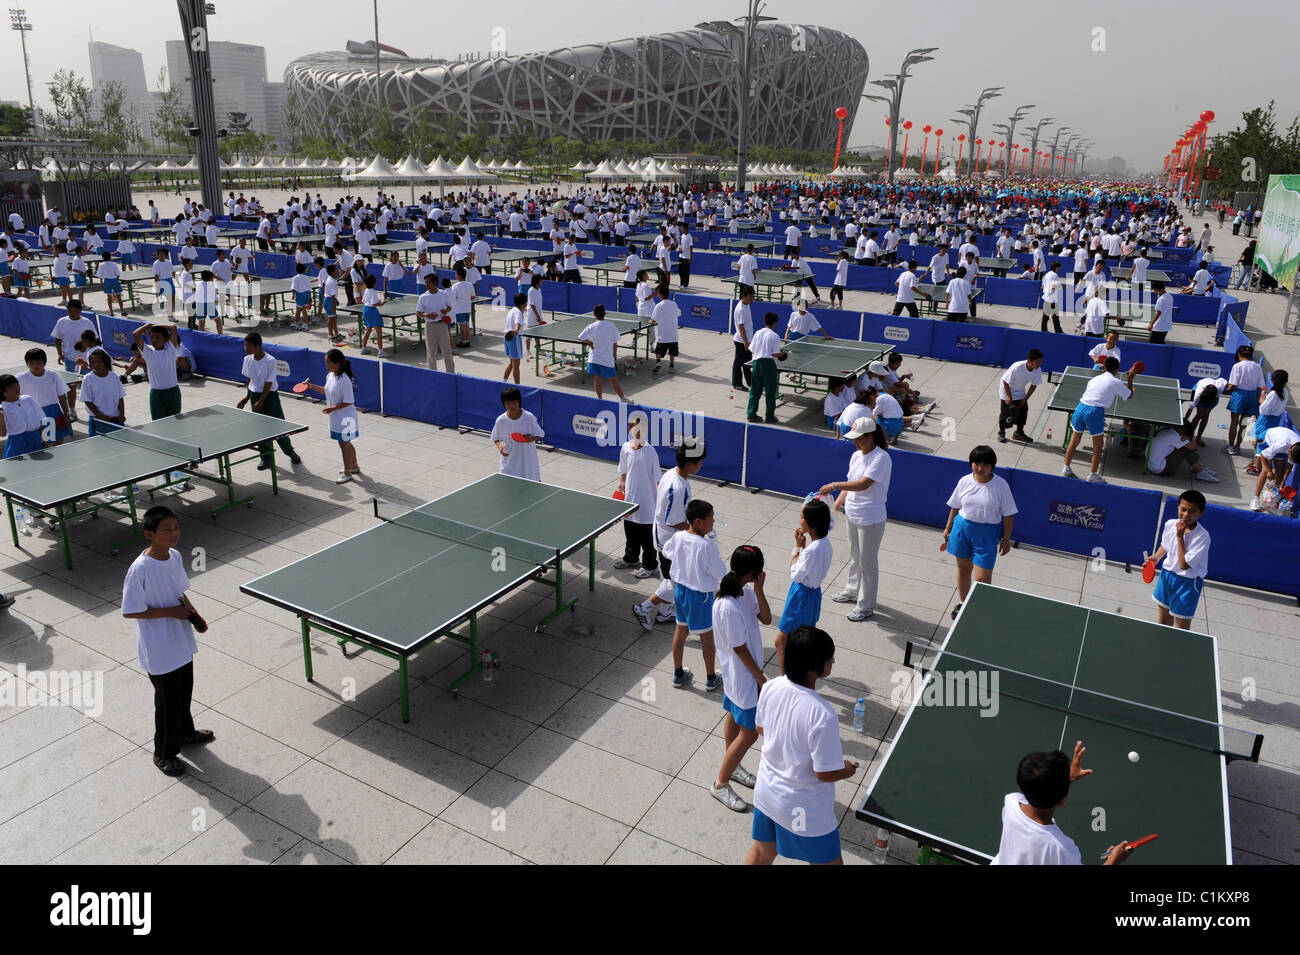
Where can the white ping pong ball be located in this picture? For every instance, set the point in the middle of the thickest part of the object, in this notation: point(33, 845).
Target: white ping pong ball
point(1133, 757)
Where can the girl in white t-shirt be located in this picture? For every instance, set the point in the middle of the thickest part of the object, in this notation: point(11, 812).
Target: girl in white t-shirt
point(794, 793)
point(340, 405)
point(740, 606)
point(981, 512)
point(810, 563)
point(102, 392)
point(21, 419)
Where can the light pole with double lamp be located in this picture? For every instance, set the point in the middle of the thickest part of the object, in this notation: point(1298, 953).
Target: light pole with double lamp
point(745, 36)
point(972, 113)
point(1055, 141)
point(894, 84)
point(1033, 143)
point(1017, 116)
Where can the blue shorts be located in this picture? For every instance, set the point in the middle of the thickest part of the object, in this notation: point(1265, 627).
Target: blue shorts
point(112, 286)
point(166, 287)
point(745, 719)
point(70, 365)
point(25, 442)
point(1089, 418)
point(794, 336)
point(975, 542)
point(329, 304)
point(816, 849)
point(79, 280)
point(1179, 595)
point(1243, 403)
point(4, 268)
point(303, 298)
point(23, 281)
point(515, 347)
point(1264, 422)
point(462, 318)
point(341, 438)
point(62, 281)
point(601, 371)
point(126, 258)
point(53, 411)
point(803, 607)
point(95, 426)
point(371, 318)
point(832, 423)
point(893, 426)
point(1208, 405)
point(695, 609)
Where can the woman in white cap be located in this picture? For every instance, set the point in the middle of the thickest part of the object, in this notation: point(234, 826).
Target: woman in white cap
point(862, 498)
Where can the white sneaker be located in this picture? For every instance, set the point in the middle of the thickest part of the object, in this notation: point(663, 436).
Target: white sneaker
point(1255, 505)
point(916, 422)
point(728, 797)
point(367, 350)
point(1207, 475)
point(1095, 478)
point(1067, 472)
point(846, 597)
point(381, 353)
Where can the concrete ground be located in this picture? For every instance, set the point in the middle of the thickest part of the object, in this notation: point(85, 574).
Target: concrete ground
point(579, 750)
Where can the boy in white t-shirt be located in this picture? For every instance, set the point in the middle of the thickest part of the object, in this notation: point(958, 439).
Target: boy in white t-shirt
point(638, 481)
point(1030, 835)
point(1090, 415)
point(601, 337)
point(153, 595)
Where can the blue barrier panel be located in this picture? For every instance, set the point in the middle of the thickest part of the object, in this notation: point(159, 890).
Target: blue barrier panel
point(1196, 309)
point(583, 298)
point(1238, 538)
point(1058, 350)
point(506, 284)
point(222, 356)
point(911, 336)
point(36, 322)
point(555, 296)
point(869, 278)
point(478, 402)
point(966, 342)
point(825, 247)
point(1158, 358)
point(115, 333)
point(1070, 515)
point(1022, 293)
point(921, 483)
point(712, 263)
point(365, 390)
point(1190, 365)
point(792, 463)
point(699, 311)
point(11, 322)
point(420, 394)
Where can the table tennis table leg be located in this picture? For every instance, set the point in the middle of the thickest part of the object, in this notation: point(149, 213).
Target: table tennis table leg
point(591, 564)
point(406, 690)
point(13, 524)
point(305, 625)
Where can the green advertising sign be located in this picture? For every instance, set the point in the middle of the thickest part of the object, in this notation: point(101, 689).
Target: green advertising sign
point(1278, 251)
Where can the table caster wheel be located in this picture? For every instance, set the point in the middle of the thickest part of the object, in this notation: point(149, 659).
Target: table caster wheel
point(540, 628)
point(249, 504)
point(114, 551)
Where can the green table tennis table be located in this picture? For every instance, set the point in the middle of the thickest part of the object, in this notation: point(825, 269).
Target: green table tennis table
point(475, 545)
point(608, 273)
point(769, 284)
point(998, 267)
point(512, 257)
point(58, 482)
point(399, 312)
point(1063, 673)
point(565, 328)
point(816, 358)
point(763, 246)
point(1156, 402)
point(937, 293)
point(1153, 275)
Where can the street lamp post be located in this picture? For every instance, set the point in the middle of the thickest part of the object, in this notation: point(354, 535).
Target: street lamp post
point(1017, 116)
point(1068, 154)
point(18, 21)
point(746, 38)
point(1055, 140)
point(974, 111)
point(894, 84)
point(1033, 142)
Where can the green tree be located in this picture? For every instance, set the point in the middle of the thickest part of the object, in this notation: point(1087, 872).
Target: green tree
point(115, 127)
point(293, 128)
point(15, 120)
point(248, 145)
point(173, 119)
point(1253, 149)
point(73, 106)
point(238, 123)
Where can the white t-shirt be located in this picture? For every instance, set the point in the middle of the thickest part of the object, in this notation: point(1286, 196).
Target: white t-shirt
point(696, 563)
point(1018, 378)
point(68, 331)
point(813, 564)
point(1196, 541)
point(1277, 441)
point(163, 644)
point(666, 315)
point(104, 392)
point(801, 737)
point(1273, 403)
point(46, 389)
point(522, 459)
point(641, 467)
point(1101, 352)
point(161, 365)
point(1026, 842)
point(868, 507)
point(338, 391)
point(1094, 316)
point(432, 304)
point(1218, 383)
point(671, 497)
point(1247, 375)
point(765, 343)
point(735, 625)
point(887, 406)
point(906, 283)
point(603, 336)
point(1051, 290)
point(748, 266)
point(261, 372)
point(1162, 445)
point(1165, 307)
point(984, 503)
point(805, 323)
point(1103, 389)
point(959, 295)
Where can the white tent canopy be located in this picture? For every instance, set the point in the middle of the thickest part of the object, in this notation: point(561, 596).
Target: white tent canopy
point(468, 169)
point(605, 171)
point(412, 168)
point(380, 169)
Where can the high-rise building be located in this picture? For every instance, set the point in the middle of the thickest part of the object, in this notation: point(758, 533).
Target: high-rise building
point(117, 64)
point(238, 83)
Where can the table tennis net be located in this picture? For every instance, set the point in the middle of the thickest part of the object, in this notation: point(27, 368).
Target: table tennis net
point(480, 538)
point(151, 442)
point(1088, 704)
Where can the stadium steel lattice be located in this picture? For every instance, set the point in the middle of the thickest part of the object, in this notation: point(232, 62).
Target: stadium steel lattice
point(681, 86)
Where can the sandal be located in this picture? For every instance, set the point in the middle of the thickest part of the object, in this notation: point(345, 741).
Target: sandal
point(171, 767)
point(199, 738)
point(1251, 469)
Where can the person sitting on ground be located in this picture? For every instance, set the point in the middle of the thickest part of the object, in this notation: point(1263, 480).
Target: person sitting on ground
point(1174, 446)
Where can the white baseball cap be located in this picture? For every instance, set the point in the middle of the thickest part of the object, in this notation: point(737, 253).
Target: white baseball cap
point(878, 368)
point(864, 425)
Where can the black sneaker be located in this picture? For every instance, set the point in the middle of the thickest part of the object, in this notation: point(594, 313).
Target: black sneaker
point(295, 459)
point(1002, 439)
point(1021, 436)
point(264, 465)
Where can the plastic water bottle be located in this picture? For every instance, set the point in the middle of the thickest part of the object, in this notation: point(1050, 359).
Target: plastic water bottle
point(717, 522)
point(24, 520)
point(860, 715)
point(881, 851)
point(486, 665)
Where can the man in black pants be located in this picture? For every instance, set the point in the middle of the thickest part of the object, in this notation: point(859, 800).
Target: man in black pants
point(1017, 385)
point(744, 322)
point(1052, 297)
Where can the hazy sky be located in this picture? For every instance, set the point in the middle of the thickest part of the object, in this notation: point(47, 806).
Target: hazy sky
point(1164, 61)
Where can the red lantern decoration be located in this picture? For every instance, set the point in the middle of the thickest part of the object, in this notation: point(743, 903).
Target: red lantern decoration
point(925, 128)
point(841, 113)
point(1208, 116)
point(907, 124)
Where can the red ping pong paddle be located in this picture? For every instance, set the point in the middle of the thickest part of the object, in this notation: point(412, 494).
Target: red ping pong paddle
point(619, 496)
point(301, 387)
point(518, 436)
point(1139, 367)
point(200, 625)
point(1144, 840)
point(1149, 571)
